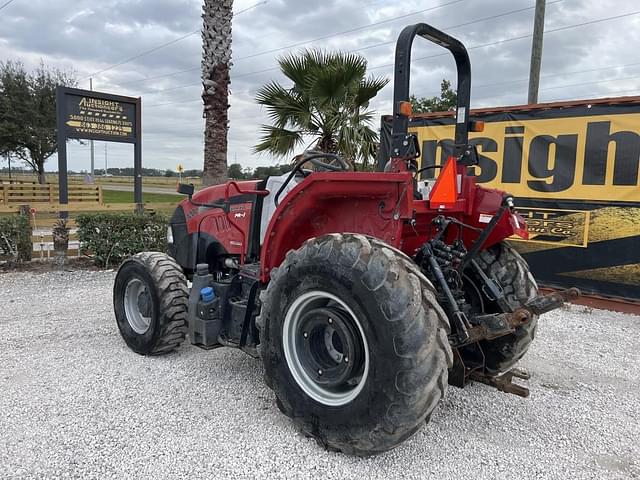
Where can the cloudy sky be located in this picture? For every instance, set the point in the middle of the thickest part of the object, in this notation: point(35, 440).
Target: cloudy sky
point(592, 49)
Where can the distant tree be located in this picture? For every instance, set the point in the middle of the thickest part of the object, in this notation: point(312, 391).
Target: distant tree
point(192, 173)
point(170, 173)
point(271, 171)
point(328, 101)
point(235, 172)
point(445, 102)
point(28, 113)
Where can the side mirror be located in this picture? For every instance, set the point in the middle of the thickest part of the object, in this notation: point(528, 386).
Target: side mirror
point(185, 189)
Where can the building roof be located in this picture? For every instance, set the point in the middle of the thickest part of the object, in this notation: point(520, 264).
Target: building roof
point(537, 106)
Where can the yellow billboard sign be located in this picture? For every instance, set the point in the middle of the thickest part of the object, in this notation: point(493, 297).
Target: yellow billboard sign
point(592, 158)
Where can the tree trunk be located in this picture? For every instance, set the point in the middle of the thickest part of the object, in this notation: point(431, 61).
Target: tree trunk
point(215, 131)
point(216, 61)
point(40, 171)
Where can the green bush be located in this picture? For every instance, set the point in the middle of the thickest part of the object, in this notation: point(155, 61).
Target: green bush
point(110, 238)
point(15, 238)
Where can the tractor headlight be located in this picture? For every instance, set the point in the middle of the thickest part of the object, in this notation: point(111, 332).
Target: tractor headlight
point(169, 235)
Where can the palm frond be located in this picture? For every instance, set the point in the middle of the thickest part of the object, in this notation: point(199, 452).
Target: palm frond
point(278, 141)
point(285, 107)
point(294, 67)
point(328, 101)
point(368, 89)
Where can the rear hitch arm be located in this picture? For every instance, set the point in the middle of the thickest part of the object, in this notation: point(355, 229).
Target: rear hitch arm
point(545, 303)
point(491, 326)
point(488, 327)
point(504, 382)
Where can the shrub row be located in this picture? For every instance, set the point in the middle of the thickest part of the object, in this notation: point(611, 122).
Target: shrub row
point(110, 238)
point(15, 238)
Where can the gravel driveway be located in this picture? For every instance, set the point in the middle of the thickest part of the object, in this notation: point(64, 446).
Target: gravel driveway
point(75, 402)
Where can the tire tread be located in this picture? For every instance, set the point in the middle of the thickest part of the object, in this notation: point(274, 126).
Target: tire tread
point(379, 266)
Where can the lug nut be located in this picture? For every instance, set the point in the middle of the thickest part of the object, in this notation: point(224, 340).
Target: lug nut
point(346, 359)
point(305, 334)
point(331, 320)
point(319, 372)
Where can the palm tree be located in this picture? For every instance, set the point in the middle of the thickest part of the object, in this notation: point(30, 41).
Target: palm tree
point(216, 61)
point(328, 102)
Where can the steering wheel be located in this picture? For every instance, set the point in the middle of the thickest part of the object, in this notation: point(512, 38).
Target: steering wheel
point(314, 158)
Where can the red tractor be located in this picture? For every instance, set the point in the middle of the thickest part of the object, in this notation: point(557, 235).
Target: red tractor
point(364, 294)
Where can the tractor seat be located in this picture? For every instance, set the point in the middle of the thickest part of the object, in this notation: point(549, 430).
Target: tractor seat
point(269, 205)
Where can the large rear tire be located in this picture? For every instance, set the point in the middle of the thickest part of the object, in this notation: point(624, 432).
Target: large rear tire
point(150, 301)
point(511, 271)
point(354, 343)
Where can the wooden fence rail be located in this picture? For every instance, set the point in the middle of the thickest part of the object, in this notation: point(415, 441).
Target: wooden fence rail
point(27, 194)
point(53, 208)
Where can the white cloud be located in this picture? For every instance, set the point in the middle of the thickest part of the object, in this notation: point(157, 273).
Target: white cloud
point(89, 36)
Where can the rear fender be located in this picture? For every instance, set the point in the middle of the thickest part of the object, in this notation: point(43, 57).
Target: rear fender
point(374, 204)
point(486, 204)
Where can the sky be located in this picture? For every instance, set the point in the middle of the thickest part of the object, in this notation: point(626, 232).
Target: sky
point(591, 50)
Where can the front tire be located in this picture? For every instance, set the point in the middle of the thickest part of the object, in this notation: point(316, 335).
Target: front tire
point(354, 343)
point(150, 301)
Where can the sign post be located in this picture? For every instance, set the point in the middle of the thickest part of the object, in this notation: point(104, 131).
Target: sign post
point(84, 114)
point(180, 169)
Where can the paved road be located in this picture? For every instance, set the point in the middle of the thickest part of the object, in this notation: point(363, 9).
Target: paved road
point(145, 189)
point(76, 403)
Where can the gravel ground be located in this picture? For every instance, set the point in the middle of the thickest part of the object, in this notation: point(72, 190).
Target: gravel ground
point(76, 403)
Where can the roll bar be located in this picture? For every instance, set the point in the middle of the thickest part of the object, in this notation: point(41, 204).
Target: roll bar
point(400, 124)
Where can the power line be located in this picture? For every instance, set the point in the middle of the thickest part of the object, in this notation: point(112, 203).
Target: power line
point(6, 4)
point(569, 85)
point(557, 75)
point(169, 89)
point(159, 47)
point(619, 79)
point(562, 74)
point(459, 25)
point(635, 91)
point(285, 47)
point(521, 37)
point(573, 72)
point(142, 54)
point(352, 30)
point(172, 103)
point(474, 47)
point(355, 50)
point(171, 74)
point(393, 41)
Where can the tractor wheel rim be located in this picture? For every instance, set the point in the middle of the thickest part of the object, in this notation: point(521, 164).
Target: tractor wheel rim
point(325, 348)
point(137, 306)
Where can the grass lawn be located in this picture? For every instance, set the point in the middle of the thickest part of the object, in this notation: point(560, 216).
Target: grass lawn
point(114, 196)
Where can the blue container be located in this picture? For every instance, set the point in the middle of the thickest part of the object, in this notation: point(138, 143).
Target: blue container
point(207, 294)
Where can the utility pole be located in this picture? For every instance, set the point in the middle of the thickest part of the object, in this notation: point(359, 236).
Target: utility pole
point(91, 141)
point(105, 158)
point(536, 52)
